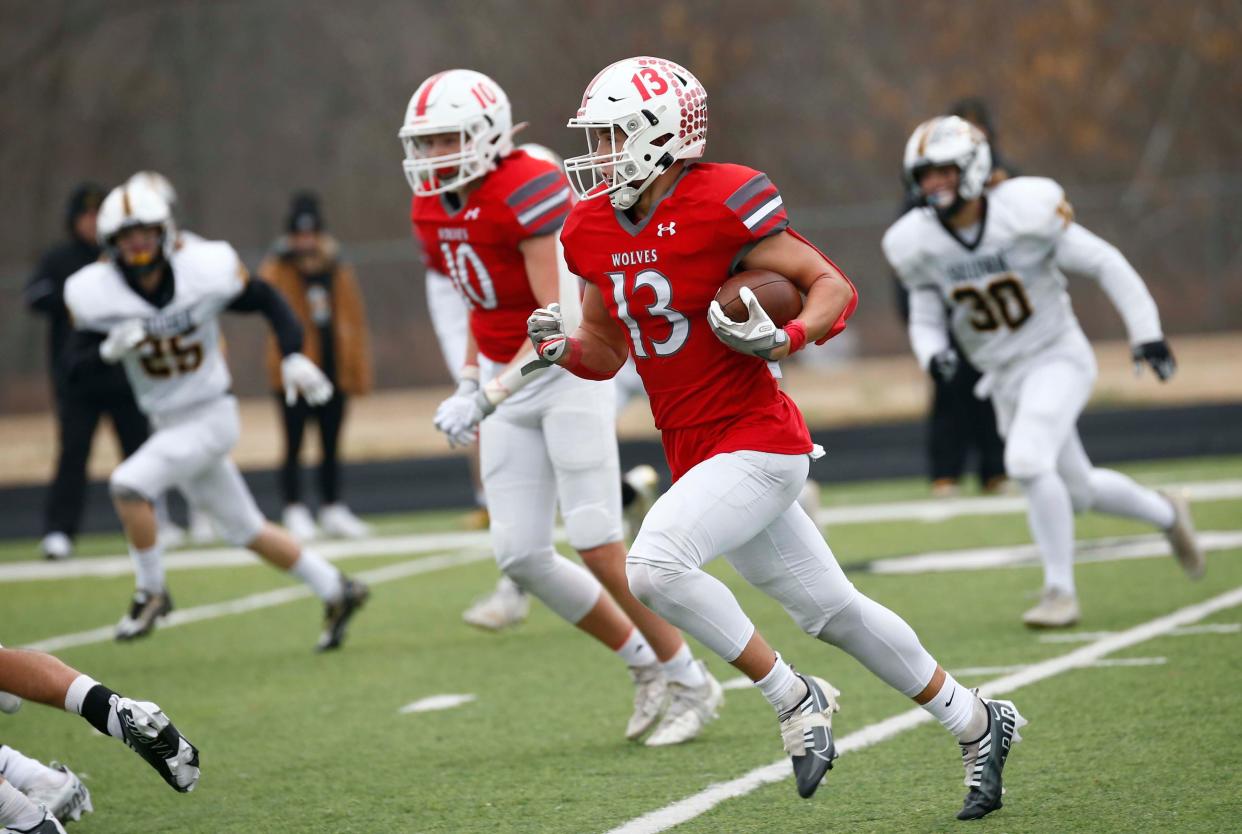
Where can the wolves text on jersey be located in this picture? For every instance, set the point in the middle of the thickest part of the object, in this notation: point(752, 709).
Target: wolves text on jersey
point(980, 267)
point(635, 257)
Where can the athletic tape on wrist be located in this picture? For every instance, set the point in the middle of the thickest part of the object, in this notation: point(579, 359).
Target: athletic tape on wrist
point(796, 331)
point(574, 364)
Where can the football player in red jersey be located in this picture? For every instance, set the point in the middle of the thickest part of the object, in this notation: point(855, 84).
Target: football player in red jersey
point(487, 216)
point(654, 253)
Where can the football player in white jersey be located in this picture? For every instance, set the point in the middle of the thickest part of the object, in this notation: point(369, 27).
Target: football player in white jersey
point(153, 305)
point(992, 266)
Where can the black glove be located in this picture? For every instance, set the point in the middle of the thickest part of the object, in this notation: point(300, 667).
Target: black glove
point(943, 366)
point(1158, 355)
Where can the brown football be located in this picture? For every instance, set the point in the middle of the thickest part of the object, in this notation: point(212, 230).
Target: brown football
point(778, 295)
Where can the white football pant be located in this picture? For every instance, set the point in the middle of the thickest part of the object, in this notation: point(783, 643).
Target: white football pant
point(743, 505)
point(552, 442)
point(190, 450)
point(1037, 407)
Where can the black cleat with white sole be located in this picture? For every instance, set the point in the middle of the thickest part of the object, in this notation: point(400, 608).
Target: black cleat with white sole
point(148, 732)
point(337, 614)
point(985, 759)
point(145, 609)
point(806, 731)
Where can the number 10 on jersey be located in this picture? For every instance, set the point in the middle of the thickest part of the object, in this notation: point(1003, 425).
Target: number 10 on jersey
point(679, 325)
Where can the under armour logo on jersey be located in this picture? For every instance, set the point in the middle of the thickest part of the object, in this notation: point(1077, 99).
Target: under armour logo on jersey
point(472, 214)
point(671, 228)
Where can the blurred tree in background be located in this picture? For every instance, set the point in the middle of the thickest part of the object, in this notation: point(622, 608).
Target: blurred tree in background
point(1132, 106)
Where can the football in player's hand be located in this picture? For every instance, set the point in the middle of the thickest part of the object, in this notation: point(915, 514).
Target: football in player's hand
point(776, 293)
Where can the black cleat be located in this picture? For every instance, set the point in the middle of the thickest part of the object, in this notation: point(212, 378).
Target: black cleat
point(985, 759)
point(806, 731)
point(149, 733)
point(48, 825)
point(144, 610)
point(337, 614)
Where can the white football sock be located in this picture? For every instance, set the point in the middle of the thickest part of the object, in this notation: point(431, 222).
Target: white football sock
point(16, 811)
point(783, 689)
point(1051, 516)
point(957, 708)
point(25, 773)
point(683, 668)
point(636, 651)
point(319, 574)
point(1115, 494)
point(148, 568)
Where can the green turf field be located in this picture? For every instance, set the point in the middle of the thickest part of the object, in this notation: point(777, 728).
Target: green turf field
point(293, 741)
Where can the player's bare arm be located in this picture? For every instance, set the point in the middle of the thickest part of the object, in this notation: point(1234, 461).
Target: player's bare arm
point(828, 292)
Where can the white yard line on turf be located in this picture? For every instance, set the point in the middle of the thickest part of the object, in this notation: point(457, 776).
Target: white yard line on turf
point(703, 801)
point(222, 557)
point(434, 703)
point(266, 599)
point(1025, 555)
point(940, 509)
point(742, 682)
point(1088, 636)
point(227, 557)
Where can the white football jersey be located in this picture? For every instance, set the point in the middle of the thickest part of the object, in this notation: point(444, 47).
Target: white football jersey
point(181, 363)
point(1005, 295)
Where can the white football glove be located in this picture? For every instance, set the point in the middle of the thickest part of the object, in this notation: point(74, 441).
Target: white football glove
point(757, 336)
point(546, 330)
point(122, 339)
point(302, 376)
point(459, 416)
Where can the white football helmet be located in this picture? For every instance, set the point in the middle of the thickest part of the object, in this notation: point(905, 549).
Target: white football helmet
point(949, 140)
point(459, 101)
point(542, 152)
point(661, 111)
point(132, 205)
point(158, 183)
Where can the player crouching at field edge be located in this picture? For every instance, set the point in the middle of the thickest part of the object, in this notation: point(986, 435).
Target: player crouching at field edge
point(993, 264)
point(737, 446)
point(153, 305)
point(50, 795)
point(487, 216)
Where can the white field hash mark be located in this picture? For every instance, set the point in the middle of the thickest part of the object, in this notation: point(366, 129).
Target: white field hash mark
point(433, 703)
point(700, 803)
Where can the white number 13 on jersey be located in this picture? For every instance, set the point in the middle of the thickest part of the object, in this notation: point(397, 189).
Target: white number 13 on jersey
point(679, 326)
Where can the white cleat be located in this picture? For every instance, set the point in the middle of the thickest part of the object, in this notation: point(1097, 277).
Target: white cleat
point(338, 522)
point(1181, 536)
point(650, 699)
point(68, 800)
point(56, 546)
point(1056, 609)
point(645, 482)
point(298, 521)
point(202, 531)
point(690, 709)
point(506, 606)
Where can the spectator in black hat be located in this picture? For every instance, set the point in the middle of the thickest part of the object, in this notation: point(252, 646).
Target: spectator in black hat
point(80, 402)
point(306, 268)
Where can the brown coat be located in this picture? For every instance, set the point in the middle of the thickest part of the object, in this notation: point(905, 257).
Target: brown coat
point(349, 323)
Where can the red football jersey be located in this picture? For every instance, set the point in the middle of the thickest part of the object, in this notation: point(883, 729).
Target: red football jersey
point(657, 279)
point(476, 245)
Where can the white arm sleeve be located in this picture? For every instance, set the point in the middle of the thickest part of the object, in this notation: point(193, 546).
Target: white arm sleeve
point(1081, 252)
point(928, 324)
